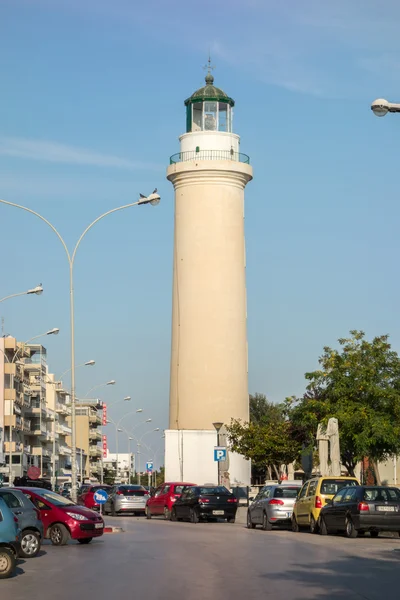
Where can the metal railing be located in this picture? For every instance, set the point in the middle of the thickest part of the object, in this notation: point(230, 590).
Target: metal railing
point(209, 155)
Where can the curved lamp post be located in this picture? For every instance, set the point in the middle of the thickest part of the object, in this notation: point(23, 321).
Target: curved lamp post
point(99, 385)
point(139, 445)
point(153, 199)
point(36, 290)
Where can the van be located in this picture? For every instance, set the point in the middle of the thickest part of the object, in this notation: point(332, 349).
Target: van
point(312, 497)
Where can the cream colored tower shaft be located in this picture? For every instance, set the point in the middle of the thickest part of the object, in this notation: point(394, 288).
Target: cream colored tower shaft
point(209, 343)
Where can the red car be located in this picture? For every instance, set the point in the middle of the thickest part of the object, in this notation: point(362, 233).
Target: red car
point(87, 497)
point(62, 519)
point(162, 501)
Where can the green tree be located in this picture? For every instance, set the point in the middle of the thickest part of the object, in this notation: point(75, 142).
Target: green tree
point(266, 444)
point(264, 411)
point(359, 384)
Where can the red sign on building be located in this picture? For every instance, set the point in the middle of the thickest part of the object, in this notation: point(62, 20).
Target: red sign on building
point(104, 413)
point(104, 446)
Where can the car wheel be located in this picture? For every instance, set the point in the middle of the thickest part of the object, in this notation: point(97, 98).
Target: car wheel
point(8, 563)
point(295, 525)
point(173, 515)
point(313, 525)
point(194, 517)
point(59, 534)
point(323, 530)
point(351, 532)
point(231, 519)
point(148, 513)
point(85, 540)
point(30, 544)
point(167, 513)
point(374, 534)
point(266, 525)
point(250, 524)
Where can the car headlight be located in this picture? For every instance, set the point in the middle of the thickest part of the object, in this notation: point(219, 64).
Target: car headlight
point(76, 516)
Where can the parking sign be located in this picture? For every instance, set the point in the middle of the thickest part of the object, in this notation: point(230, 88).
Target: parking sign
point(149, 467)
point(219, 453)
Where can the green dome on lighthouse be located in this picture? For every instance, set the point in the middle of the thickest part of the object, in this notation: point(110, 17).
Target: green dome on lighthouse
point(209, 108)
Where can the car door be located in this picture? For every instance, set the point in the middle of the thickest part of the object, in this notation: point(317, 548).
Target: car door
point(335, 515)
point(265, 496)
point(309, 500)
point(162, 499)
point(253, 507)
point(17, 508)
point(300, 506)
point(45, 510)
point(181, 507)
point(111, 493)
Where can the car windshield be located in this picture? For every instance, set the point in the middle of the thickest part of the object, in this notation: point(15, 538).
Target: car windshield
point(381, 494)
point(332, 486)
point(286, 492)
point(132, 490)
point(54, 499)
point(214, 491)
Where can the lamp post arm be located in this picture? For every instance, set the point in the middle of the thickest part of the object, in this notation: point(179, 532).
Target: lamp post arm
point(33, 212)
point(109, 212)
point(13, 296)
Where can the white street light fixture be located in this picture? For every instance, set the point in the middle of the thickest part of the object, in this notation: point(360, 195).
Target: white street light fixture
point(54, 331)
point(111, 382)
point(99, 385)
point(127, 398)
point(119, 429)
point(381, 107)
point(154, 198)
point(89, 363)
point(156, 429)
point(36, 290)
point(148, 420)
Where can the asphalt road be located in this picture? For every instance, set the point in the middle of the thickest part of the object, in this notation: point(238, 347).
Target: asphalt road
point(159, 560)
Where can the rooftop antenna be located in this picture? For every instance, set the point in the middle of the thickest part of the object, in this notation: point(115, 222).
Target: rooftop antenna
point(209, 66)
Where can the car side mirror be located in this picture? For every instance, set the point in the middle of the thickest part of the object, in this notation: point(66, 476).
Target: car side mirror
point(328, 502)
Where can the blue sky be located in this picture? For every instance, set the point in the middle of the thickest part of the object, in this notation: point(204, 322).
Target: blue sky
point(91, 108)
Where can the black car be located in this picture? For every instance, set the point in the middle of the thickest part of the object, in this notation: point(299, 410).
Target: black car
point(205, 502)
point(357, 509)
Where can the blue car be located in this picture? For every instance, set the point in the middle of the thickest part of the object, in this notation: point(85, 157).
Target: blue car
point(10, 541)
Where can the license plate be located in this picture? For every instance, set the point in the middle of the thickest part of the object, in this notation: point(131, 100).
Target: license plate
point(386, 508)
point(218, 512)
point(98, 525)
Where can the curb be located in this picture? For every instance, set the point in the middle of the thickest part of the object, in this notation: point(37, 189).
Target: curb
point(113, 530)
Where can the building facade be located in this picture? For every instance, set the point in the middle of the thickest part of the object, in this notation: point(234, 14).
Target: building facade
point(120, 466)
point(88, 438)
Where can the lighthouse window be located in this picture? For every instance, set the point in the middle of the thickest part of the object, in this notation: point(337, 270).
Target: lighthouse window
point(210, 116)
point(197, 116)
point(223, 117)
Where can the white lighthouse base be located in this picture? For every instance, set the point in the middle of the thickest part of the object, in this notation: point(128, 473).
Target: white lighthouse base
point(189, 457)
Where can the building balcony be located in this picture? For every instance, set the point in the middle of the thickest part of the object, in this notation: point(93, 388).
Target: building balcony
point(36, 409)
point(64, 450)
point(39, 430)
point(95, 452)
point(63, 409)
point(192, 155)
point(40, 451)
point(15, 446)
point(95, 420)
point(94, 434)
point(14, 396)
point(15, 421)
point(64, 430)
point(27, 425)
point(27, 449)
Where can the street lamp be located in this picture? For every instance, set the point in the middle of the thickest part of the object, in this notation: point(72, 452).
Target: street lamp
point(99, 385)
point(381, 107)
point(36, 290)
point(88, 363)
point(152, 199)
point(139, 445)
point(53, 331)
point(217, 427)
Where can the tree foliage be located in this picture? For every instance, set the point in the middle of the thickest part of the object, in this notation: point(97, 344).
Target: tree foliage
point(269, 439)
point(359, 384)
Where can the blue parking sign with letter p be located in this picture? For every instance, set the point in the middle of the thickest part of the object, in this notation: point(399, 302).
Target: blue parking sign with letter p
point(219, 453)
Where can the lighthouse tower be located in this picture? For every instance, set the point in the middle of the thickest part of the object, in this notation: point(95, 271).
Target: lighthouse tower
point(208, 382)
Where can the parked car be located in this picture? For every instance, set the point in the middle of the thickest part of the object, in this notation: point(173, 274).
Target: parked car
point(10, 541)
point(126, 499)
point(312, 497)
point(86, 497)
point(63, 519)
point(28, 520)
point(205, 502)
point(26, 482)
point(355, 510)
point(162, 501)
point(273, 505)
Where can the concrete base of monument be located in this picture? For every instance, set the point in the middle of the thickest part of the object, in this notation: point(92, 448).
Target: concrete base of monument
point(189, 457)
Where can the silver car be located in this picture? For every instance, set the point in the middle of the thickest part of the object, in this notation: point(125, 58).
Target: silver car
point(273, 506)
point(126, 499)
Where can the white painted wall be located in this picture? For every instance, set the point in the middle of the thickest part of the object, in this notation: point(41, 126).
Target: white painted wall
point(194, 449)
point(209, 140)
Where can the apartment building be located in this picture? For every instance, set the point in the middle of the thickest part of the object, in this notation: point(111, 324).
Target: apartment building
point(121, 466)
point(88, 438)
point(59, 406)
